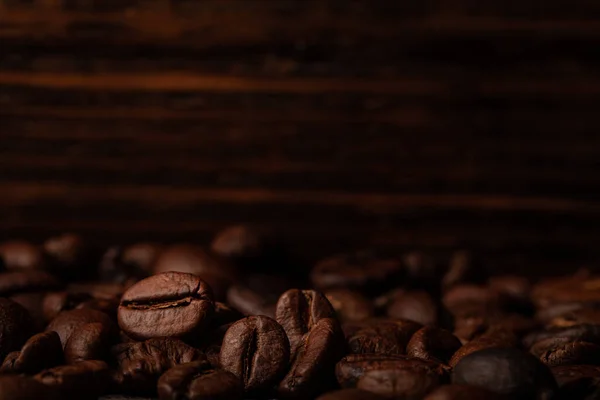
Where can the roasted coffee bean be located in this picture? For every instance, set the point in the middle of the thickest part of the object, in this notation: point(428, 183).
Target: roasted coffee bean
point(26, 281)
point(257, 351)
point(214, 270)
point(15, 387)
point(351, 394)
point(508, 372)
point(415, 306)
point(350, 305)
point(113, 268)
point(41, 351)
point(16, 326)
point(364, 271)
point(462, 392)
point(56, 302)
point(575, 289)
point(21, 255)
point(258, 295)
point(434, 344)
point(242, 243)
point(464, 268)
point(142, 363)
point(566, 374)
point(467, 328)
point(311, 371)
point(298, 311)
point(89, 342)
point(406, 384)
point(213, 343)
point(581, 316)
point(387, 337)
point(84, 380)
point(199, 381)
point(69, 256)
point(462, 300)
point(33, 303)
point(583, 332)
point(516, 290)
point(68, 322)
point(492, 339)
point(560, 351)
point(352, 367)
point(578, 381)
point(141, 255)
point(170, 304)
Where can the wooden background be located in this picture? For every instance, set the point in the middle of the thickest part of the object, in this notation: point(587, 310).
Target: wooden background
point(410, 124)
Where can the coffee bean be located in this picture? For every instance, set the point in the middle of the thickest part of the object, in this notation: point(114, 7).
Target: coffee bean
point(15, 387)
point(142, 363)
point(197, 381)
point(141, 255)
point(434, 344)
point(492, 339)
point(578, 381)
point(575, 317)
point(16, 326)
point(22, 255)
point(258, 295)
point(241, 242)
point(89, 342)
point(462, 300)
point(26, 281)
point(113, 268)
point(364, 271)
point(462, 392)
point(68, 322)
point(350, 305)
point(583, 332)
point(467, 328)
point(298, 311)
point(84, 380)
point(312, 366)
point(41, 351)
point(257, 351)
point(387, 337)
point(33, 303)
point(56, 302)
point(406, 384)
point(352, 367)
point(515, 289)
point(508, 372)
point(351, 394)
point(69, 256)
point(169, 304)
point(415, 306)
point(560, 351)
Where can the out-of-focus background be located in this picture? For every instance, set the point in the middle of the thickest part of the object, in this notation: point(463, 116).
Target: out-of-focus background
point(407, 124)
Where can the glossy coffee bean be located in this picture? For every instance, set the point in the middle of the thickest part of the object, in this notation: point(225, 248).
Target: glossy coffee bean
point(16, 326)
point(493, 339)
point(387, 337)
point(15, 387)
point(257, 351)
point(199, 381)
point(582, 332)
point(351, 394)
point(67, 322)
point(40, 352)
point(142, 363)
point(556, 352)
point(84, 380)
point(171, 304)
point(433, 344)
point(350, 305)
point(22, 255)
point(462, 392)
point(90, 342)
point(409, 384)
point(14, 282)
point(311, 371)
point(416, 306)
point(508, 372)
point(298, 311)
point(364, 271)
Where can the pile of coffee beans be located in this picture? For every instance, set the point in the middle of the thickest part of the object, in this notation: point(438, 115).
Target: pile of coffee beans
point(234, 320)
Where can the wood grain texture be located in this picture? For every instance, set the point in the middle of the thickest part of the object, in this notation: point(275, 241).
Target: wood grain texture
point(415, 124)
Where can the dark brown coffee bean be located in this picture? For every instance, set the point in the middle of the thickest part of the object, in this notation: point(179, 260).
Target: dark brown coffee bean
point(434, 344)
point(565, 374)
point(199, 381)
point(575, 317)
point(16, 326)
point(560, 351)
point(213, 343)
point(312, 369)
point(362, 271)
point(578, 381)
point(508, 372)
point(258, 295)
point(21, 255)
point(89, 342)
point(241, 242)
point(84, 380)
point(26, 281)
point(41, 351)
point(574, 289)
point(351, 394)
point(15, 387)
point(583, 332)
point(415, 306)
point(516, 287)
point(462, 392)
point(388, 337)
point(68, 322)
point(298, 311)
point(142, 363)
point(33, 303)
point(467, 328)
point(492, 339)
point(350, 305)
point(56, 302)
point(400, 383)
point(463, 300)
point(141, 255)
point(257, 351)
point(172, 304)
point(70, 257)
point(464, 268)
point(352, 367)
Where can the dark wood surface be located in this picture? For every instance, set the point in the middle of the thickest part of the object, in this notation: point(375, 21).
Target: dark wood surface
point(414, 124)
